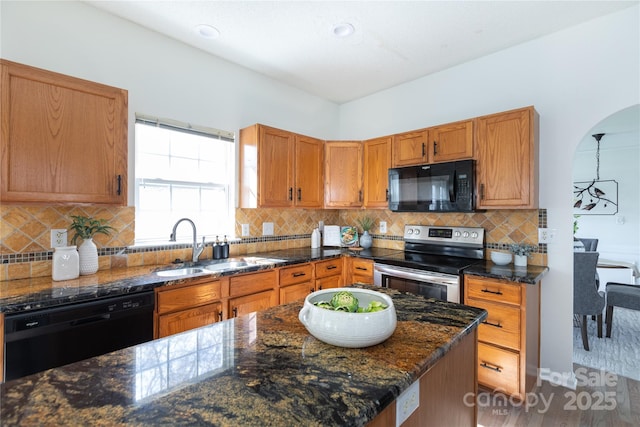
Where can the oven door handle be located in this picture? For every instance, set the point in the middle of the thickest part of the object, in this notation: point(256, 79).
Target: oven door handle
point(421, 276)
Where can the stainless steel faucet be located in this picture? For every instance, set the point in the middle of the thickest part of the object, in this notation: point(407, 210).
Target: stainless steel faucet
point(197, 247)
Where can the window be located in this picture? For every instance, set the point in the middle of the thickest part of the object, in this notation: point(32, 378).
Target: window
point(182, 171)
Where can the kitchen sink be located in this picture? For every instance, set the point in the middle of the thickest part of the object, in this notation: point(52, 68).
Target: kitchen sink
point(230, 265)
point(181, 272)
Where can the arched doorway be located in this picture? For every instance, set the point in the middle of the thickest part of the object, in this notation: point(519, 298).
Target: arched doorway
point(616, 165)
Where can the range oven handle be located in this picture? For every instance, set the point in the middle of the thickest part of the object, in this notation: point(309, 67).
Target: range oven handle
point(418, 275)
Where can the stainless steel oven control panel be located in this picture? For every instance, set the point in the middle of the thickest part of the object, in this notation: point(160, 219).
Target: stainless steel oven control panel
point(449, 235)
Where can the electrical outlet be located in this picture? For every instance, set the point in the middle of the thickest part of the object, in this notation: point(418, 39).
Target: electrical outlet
point(267, 229)
point(58, 237)
point(407, 403)
point(546, 235)
point(383, 227)
point(245, 229)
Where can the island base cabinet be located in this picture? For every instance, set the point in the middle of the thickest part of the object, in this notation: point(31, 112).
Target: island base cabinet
point(447, 391)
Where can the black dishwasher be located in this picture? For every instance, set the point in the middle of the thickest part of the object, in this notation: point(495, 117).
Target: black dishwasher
point(52, 337)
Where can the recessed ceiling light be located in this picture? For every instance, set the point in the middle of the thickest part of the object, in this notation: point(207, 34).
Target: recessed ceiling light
point(343, 30)
point(207, 31)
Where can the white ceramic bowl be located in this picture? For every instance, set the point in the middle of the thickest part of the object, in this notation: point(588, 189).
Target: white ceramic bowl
point(343, 329)
point(500, 258)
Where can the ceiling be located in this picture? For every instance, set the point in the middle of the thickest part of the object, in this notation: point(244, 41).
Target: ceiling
point(394, 41)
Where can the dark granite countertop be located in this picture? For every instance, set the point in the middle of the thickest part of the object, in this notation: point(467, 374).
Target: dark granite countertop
point(531, 274)
point(42, 292)
point(260, 369)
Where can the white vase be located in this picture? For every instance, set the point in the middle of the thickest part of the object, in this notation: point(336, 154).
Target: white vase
point(520, 260)
point(88, 257)
point(366, 240)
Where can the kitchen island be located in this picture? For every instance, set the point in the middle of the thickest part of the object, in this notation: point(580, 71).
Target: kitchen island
point(263, 369)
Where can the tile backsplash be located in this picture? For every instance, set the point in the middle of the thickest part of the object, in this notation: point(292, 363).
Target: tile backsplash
point(25, 233)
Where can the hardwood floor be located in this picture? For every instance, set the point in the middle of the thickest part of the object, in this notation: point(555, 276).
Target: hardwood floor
point(601, 399)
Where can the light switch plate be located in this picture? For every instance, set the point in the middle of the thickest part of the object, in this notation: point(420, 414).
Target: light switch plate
point(245, 230)
point(58, 237)
point(383, 227)
point(267, 229)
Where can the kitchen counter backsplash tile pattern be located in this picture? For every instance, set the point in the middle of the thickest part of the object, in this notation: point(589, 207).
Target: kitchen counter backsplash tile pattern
point(25, 233)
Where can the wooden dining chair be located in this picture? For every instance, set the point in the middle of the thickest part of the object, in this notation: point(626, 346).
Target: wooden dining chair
point(587, 301)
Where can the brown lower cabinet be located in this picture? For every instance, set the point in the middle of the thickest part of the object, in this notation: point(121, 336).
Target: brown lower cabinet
point(184, 307)
point(200, 302)
point(252, 292)
point(509, 338)
point(361, 271)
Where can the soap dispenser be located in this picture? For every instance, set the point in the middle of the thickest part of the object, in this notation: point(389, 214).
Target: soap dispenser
point(225, 247)
point(217, 249)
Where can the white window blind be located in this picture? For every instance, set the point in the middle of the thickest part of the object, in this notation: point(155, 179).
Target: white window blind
point(182, 170)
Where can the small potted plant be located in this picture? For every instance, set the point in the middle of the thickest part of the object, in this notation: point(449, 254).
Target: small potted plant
point(85, 228)
point(366, 223)
point(521, 252)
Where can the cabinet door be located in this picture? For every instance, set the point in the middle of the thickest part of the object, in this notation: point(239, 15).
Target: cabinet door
point(309, 178)
point(343, 174)
point(63, 139)
point(295, 292)
point(377, 161)
point(507, 160)
point(329, 282)
point(180, 321)
point(275, 167)
point(410, 148)
point(451, 142)
point(254, 302)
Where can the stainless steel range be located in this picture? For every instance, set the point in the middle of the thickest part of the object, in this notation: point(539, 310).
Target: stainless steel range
point(432, 261)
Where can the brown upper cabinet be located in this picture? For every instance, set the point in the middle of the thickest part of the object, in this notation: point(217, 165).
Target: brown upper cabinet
point(63, 139)
point(410, 148)
point(280, 169)
point(507, 161)
point(377, 161)
point(452, 141)
point(343, 172)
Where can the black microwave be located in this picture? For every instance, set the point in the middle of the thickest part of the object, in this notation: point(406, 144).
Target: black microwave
point(437, 187)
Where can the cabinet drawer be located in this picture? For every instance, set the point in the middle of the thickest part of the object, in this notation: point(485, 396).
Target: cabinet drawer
point(173, 323)
point(492, 290)
point(186, 297)
point(329, 267)
point(362, 267)
point(498, 369)
point(251, 283)
point(296, 274)
point(502, 326)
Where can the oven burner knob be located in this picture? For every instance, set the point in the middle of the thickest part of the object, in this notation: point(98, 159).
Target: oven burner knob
point(465, 234)
point(456, 234)
point(409, 231)
point(417, 231)
point(474, 235)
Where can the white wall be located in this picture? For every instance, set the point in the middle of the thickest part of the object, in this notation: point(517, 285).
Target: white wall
point(165, 78)
point(574, 78)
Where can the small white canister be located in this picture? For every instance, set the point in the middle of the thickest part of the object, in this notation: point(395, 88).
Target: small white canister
point(66, 263)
